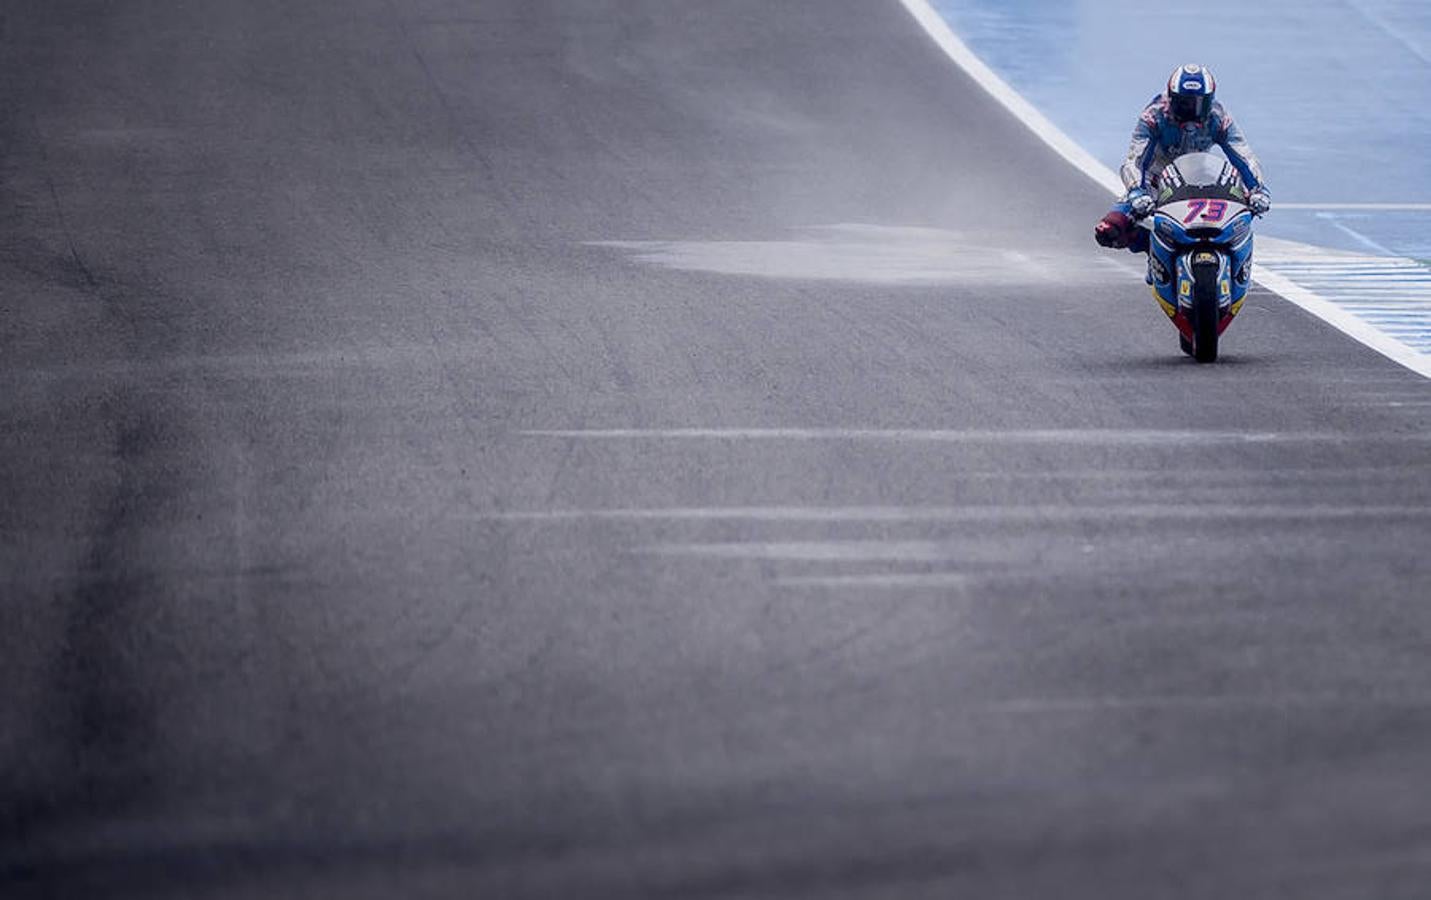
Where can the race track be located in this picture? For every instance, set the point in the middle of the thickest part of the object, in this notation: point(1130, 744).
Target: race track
point(635, 448)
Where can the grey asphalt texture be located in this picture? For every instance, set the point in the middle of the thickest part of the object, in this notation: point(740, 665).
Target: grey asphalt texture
point(450, 449)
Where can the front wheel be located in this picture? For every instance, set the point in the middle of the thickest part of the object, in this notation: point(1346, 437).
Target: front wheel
point(1206, 314)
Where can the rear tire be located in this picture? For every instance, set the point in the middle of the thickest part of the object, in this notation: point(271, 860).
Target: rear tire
point(1206, 315)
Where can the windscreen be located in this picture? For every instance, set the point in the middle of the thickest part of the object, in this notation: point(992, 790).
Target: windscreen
point(1200, 175)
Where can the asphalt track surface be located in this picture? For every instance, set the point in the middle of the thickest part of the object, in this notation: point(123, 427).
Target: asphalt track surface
point(357, 542)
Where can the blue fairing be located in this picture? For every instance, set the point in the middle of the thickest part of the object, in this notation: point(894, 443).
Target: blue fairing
point(1173, 249)
point(1172, 232)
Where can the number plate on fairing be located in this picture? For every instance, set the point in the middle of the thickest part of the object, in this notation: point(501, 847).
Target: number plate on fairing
point(1196, 213)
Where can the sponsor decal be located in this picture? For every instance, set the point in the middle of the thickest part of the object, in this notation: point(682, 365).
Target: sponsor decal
point(1185, 288)
point(1205, 257)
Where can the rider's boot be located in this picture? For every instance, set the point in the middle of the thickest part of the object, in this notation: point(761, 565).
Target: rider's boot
point(1115, 230)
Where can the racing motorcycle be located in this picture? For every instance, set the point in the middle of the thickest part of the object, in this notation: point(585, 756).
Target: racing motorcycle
point(1200, 252)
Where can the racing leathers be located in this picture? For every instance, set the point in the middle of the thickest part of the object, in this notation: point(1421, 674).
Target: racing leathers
point(1157, 140)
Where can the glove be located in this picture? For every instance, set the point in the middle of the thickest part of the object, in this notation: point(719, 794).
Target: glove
point(1260, 201)
point(1140, 203)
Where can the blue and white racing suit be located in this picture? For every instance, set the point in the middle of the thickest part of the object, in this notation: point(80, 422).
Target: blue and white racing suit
point(1158, 140)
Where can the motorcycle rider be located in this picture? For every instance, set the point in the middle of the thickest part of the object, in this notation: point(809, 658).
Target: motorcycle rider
point(1185, 118)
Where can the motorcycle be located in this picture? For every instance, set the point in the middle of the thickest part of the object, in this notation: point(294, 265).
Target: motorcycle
point(1200, 249)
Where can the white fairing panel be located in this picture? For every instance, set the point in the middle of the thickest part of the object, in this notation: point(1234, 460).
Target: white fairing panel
point(1201, 213)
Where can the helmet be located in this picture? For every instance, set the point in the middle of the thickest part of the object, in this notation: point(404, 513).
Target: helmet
point(1190, 92)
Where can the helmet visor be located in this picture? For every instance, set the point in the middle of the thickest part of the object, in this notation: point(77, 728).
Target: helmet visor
point(1190, 107)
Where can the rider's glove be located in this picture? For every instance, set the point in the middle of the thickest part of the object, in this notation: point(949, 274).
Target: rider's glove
point(1260, 201)
point(1140, 203)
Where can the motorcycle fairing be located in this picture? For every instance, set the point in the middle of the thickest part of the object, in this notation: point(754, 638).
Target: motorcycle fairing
point(1168, 225)
point(1171, 268)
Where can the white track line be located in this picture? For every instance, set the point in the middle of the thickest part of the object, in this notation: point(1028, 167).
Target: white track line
point(813, 551)
point(979, 515)
point(1061, 437)
point(1053, 136)
point(1011, 99)
point(1359, 207)
point(878, 580)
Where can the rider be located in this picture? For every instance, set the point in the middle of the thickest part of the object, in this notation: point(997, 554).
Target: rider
point(1185, 118)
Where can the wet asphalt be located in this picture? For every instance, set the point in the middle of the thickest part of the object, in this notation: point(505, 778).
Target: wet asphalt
point(639, 449)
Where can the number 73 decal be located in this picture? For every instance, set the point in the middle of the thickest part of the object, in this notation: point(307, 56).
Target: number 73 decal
point(1210, 210)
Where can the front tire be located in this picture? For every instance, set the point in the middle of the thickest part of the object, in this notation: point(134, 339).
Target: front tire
point(1206, 314)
